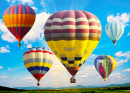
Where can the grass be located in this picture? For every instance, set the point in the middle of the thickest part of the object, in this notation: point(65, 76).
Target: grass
point(123, 89)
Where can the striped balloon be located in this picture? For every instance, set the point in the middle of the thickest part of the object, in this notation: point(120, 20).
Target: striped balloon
point(72, 36)
point(114, 31)
point(19, 19)
point(38, 61)
point(105, 64)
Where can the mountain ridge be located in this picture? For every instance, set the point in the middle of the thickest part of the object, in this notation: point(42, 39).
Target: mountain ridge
point(70, 87)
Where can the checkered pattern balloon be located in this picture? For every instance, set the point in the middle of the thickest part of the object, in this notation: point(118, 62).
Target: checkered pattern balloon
point(72, 36)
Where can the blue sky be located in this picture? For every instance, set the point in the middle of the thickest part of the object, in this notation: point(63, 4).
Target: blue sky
point(12, 70)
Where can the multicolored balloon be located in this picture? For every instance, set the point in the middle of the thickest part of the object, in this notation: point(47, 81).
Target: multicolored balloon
point(38, 61)
point(114, 31)
point(19, 19)
point(105, 64)
point(72, 36)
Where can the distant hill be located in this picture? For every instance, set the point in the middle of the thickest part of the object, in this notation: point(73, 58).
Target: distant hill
point(70, 87)
point(120, 89)
point(10, 89)
point(114, 85)
point(34, 87)
point(79, 86)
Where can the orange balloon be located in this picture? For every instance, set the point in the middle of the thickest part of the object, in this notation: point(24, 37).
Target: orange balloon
point(19, 19)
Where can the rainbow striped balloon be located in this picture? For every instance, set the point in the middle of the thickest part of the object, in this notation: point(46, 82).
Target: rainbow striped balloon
point(38, 61)
point(72, 36)
point(105, 64)
point(19, 19)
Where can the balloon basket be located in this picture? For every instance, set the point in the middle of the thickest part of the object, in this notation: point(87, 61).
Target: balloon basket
point(38, 84)
point(19, 44)
point(104, 80)
point(72, 80)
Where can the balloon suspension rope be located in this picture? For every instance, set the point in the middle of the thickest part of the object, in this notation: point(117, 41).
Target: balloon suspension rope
point(38, 84)
point(19, 44)
point(114, 45)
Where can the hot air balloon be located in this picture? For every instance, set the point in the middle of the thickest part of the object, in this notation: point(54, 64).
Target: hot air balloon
point(114, 31)
point(105, 64)
point(38, 61)
point(72, 36)
point(19, 19)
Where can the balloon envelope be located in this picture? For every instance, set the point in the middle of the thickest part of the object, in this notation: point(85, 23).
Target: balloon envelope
point(19, 19)
point(72, 36)
point(38, 61)
point(114, 31)
point(105, 64)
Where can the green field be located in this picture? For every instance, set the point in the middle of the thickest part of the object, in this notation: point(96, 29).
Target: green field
point(122, 89)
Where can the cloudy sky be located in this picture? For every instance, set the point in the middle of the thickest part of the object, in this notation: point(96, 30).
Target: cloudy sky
point(12, 70)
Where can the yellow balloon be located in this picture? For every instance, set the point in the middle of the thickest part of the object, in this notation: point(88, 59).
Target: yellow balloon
point(72, 36)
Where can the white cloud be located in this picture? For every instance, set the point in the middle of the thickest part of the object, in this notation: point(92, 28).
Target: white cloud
point(4, 77)
point(99, 77)
point(123, 18)
point(9, 68)
point(121, 54)
point(121, 62)
point(1, 67)
point(29, 46)
point(5, 34)
point(36, 32)
point(43, 3)
point(93, 56)
point(127, 70)
point(8, 1)
point(58, 76)
point(89, 71)
point(128, 34)
point(57, 67)
point(12, 2)
point(27, 78)
point(34, 8)
point(29, 81)
point(115, 74)
point(4, 49)
point(116, 77)
point(30, 2)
